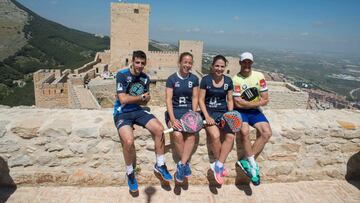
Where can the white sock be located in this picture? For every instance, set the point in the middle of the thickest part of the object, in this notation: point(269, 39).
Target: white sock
point(219, 164)
point(251, 159)
point(129, 169)
point(160, 159)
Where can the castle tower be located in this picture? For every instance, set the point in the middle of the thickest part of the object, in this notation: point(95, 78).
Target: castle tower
point(196, 49)
point(129, 32)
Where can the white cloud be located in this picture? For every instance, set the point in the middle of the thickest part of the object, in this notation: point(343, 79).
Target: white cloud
point(196, 29)
point(236, 18)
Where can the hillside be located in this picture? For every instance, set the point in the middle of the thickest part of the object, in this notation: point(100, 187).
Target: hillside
point(33, 43)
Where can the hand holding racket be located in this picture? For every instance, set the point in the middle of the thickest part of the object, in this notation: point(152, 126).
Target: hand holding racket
point(191, 122)
point(249, 94)
point(230, 121)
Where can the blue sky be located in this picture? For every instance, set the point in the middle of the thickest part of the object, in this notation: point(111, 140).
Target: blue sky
point(307, 25)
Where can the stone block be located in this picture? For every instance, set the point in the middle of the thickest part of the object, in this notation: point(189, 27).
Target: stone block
point(3, 128)
point(350, 147)
point(9, 146)
point(27, 128)
point(88, 132)
point(21, 160)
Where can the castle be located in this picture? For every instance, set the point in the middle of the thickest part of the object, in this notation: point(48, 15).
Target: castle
point(129, 32)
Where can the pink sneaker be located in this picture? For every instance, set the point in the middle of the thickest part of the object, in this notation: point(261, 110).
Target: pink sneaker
point(225, 172)
point(217, 173)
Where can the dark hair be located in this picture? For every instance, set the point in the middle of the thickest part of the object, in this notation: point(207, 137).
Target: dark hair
point(182, 55)
point(138, 54)
point(219, 57)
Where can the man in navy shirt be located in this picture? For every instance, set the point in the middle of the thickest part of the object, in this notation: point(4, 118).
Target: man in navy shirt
point(132, 87)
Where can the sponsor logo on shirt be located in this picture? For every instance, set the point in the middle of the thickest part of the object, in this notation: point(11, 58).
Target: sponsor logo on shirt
point(244, 87)
point(262, 83)
point(128, 79)
point(177, 84)
point(237, 88)
point(226, 86)
point(119, 87)
point(144, 80)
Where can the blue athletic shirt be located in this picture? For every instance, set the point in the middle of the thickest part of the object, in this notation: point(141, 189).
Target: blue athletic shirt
point(123, 79)
point(215, 97)
point(182, 90)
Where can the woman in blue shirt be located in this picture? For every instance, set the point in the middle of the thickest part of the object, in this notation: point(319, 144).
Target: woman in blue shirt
point(215, 98)
point(182, 90)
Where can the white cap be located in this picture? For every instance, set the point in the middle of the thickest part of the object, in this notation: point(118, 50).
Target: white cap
point(246, 55)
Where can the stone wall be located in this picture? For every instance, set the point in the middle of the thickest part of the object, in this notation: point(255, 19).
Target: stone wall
point(50, 90)
point(157, 92)
point(162, 59)
point(286, 96)
point(81, 147)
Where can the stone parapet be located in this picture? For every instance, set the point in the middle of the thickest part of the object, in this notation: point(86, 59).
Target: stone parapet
point(81, 147)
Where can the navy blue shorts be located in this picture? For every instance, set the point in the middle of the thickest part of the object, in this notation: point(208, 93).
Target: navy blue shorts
point(216, 115)
point(252, 116)
point(178, 113)
point(139, 117)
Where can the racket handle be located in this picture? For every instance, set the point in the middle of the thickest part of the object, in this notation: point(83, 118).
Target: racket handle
point(170, 130)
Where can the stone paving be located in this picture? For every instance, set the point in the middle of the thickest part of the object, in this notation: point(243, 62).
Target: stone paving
point(307, 191)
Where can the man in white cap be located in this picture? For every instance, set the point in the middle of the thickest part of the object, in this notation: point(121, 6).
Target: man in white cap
point(250, 93)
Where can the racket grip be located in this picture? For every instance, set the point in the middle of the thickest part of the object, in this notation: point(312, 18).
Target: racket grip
point(170, 130)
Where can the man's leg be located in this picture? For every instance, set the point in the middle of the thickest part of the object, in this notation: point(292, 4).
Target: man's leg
point(245, 139)
point(263, 132)
point(156, 129)
point(127, 137)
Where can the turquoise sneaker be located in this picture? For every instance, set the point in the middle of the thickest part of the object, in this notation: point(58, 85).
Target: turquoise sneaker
point(251, 171)
point(255, 174)
point(245, 166)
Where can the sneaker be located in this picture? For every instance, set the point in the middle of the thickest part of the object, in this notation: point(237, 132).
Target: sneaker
point(255, 174)
point(162, 170)
point(225, 172)
point(132, 182)
point(251, 171)
point(187, 171)
point(245, 166)
point(217, 173)
point(180, 172)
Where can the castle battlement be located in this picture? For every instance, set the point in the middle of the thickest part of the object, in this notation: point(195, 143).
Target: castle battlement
point(164, 52)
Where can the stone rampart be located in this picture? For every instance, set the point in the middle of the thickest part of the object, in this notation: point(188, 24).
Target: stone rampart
point(81, 147)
